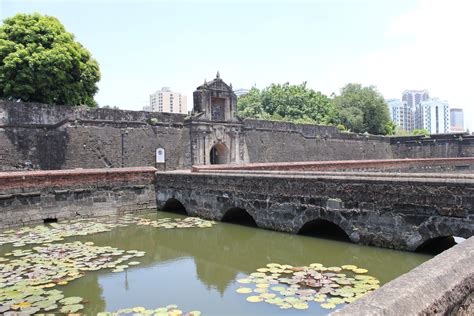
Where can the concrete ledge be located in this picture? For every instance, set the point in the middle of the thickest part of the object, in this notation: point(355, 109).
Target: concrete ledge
point(438, 286)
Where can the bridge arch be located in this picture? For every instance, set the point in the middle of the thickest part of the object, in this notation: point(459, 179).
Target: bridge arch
point(240, 216)
point(323, 228)
point(436, 245)
point(173, 205)
point(219, 154)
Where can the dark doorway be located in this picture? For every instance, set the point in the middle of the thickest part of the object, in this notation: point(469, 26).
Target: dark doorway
point(219, 154)
point(50, 220)
point(323, 229)
point(239, 216)
point(174, 206)
point(435, 246)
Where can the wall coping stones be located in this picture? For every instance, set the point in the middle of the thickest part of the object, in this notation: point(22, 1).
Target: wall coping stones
point(435, 287)
point(431, 138)
point(18, 114)
point(16, 180)
point(337, 165)
point(366, 174)
point(416, 178)
point(310, 131)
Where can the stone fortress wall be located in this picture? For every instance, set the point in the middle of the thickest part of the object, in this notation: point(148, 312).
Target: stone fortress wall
point(38, 136)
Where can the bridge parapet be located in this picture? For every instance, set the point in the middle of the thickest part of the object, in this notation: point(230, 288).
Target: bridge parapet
point(464, 164)
point(443, 285)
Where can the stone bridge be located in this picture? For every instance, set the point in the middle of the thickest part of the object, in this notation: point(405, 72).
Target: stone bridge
point(395, 210)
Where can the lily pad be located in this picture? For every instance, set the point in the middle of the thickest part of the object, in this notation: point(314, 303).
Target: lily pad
point(244, 290)
point(71, 308)
point(254, 299)
point(328, 305)
point(300, 285)
point(301, 306)
point(71, 300)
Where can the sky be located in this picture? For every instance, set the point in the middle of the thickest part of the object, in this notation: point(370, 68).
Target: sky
point(142, 45)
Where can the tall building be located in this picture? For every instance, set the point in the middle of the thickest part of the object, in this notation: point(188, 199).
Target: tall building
point(241, 92)
point(394, 106)
point(407, 108)
point(457, 120)
point(165, 100)
point(433, 115)
point(401, 114)
point(414, 97)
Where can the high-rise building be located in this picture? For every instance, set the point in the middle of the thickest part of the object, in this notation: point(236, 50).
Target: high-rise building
point(410, 99)
point(457, 120)
point(241, 92)
point(414, 97)
point(401, 114)
point(394, 109)
point(165, 100)
point(433, 115)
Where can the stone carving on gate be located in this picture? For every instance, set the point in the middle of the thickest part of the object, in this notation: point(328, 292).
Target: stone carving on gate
point(215, 101)
point(214, 111)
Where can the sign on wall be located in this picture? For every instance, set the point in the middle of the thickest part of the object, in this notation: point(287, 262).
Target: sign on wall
point(160, 155)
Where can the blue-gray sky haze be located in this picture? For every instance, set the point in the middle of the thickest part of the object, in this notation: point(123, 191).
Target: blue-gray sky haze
point(394, 45)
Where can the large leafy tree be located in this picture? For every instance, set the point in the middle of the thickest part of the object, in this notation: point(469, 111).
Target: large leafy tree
point(286, 102)
point(41, 62)
point(362, 109)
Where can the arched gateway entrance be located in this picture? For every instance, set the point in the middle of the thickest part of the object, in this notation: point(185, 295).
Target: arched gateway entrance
point(219, 154)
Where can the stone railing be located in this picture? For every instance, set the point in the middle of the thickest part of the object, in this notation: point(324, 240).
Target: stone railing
point(443, 285)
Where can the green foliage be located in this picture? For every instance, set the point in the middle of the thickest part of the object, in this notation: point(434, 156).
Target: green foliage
point(153, 121)
point(401, 132)
point(362, 109)
point(421, 132)
point(358, 109)
point(285, 102)
point(41, 62)
point(342, 128)
point(391, 128)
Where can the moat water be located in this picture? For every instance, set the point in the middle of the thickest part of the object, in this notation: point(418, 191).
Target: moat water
point(198, 268)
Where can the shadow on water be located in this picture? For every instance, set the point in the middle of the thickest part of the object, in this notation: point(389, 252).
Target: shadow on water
point(239, 216)
point(435, 246)
point(324, 229)
point(174, 206)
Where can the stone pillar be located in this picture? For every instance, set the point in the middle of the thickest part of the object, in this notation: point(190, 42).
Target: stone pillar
point(237, 147)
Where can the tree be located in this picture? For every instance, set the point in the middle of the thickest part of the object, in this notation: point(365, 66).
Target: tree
point(41, 62)
point(250, 105)
point(295, 103)
point(421, 132)
point(362, 109)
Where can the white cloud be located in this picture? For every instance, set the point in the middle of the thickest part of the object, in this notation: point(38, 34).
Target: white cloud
point(436, 53)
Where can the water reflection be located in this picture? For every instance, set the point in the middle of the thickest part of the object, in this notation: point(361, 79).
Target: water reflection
point(197, 268)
